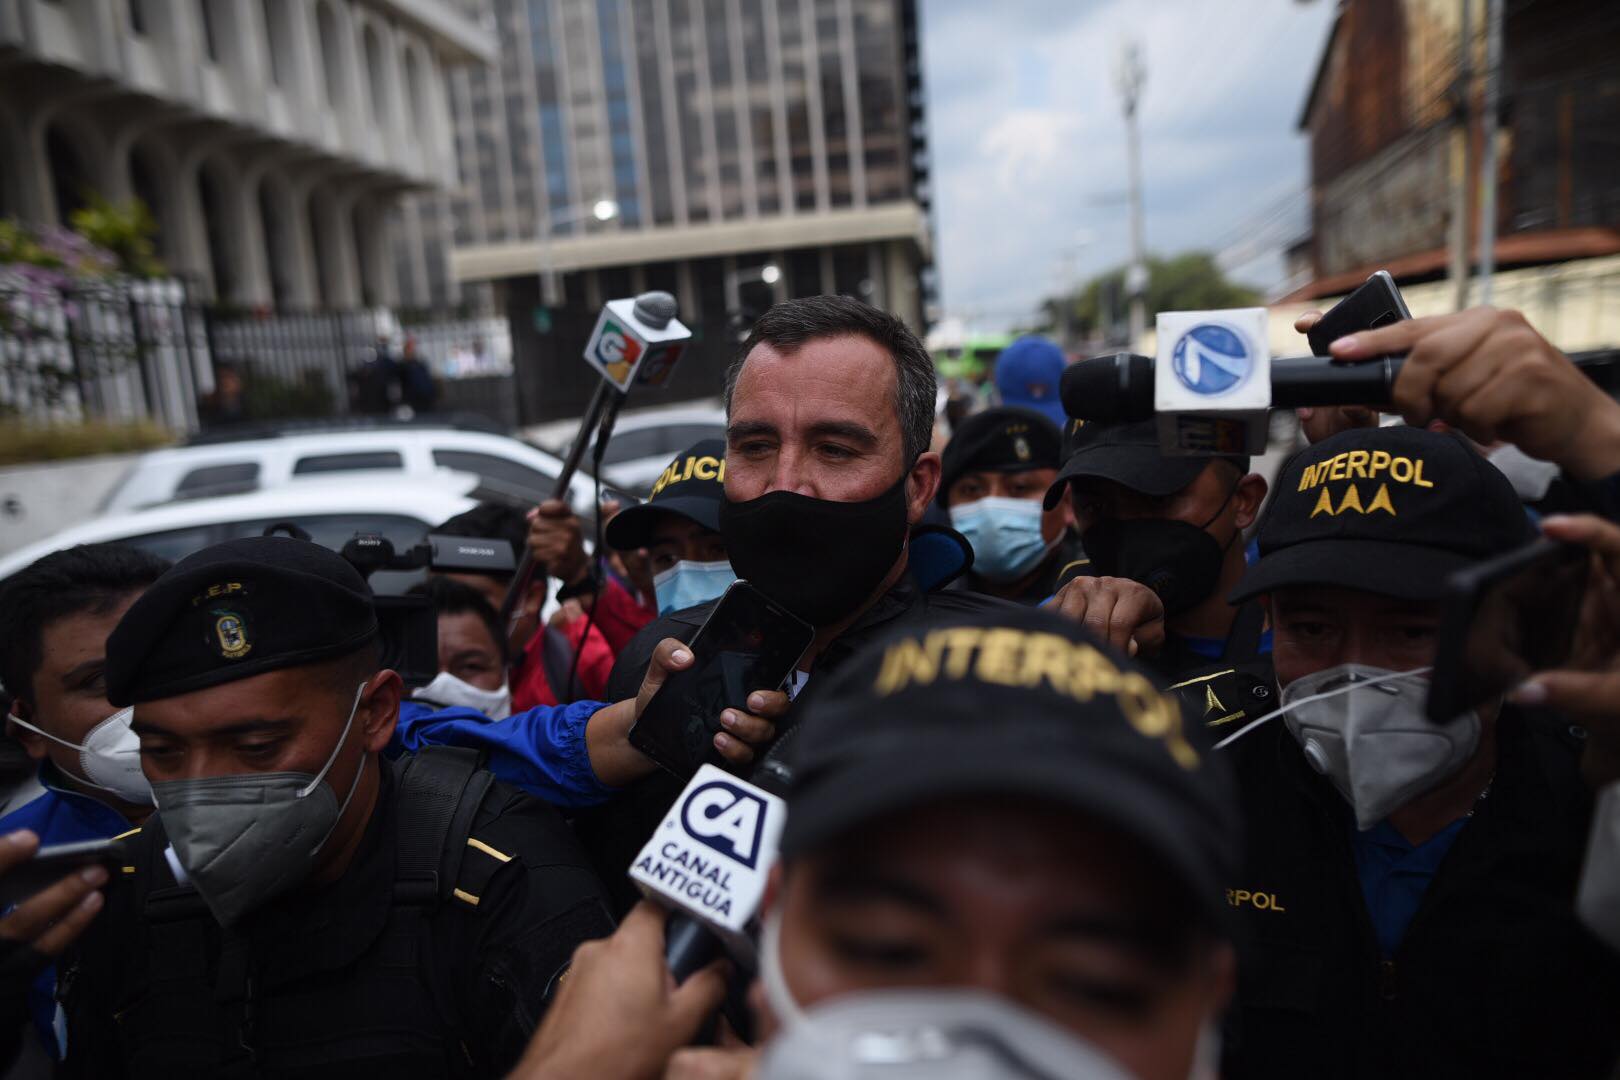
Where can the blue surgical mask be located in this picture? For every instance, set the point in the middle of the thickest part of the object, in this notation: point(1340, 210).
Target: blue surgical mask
point(687, 584)
point(1005, 534)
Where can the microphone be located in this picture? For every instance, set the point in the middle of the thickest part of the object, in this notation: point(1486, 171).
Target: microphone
point(636, 341)
point(708, 862)
point(1119, 389)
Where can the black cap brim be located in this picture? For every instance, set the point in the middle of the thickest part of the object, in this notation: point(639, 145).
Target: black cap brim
point(1140, 468)
point(1385, 567)
point(1103, 787)
point(632, 528)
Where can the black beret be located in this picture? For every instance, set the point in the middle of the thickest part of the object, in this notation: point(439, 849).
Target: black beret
point(1007, 438)
point(235, 610)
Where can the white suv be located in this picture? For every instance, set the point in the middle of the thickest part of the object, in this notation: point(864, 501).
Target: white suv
point(507, 469)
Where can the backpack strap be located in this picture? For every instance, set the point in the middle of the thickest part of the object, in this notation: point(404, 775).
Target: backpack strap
point(440, 791)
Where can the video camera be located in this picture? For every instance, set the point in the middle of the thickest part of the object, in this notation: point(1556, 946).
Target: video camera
point(409, 629)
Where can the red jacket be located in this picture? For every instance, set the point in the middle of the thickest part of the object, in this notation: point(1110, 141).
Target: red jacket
point(531, 686)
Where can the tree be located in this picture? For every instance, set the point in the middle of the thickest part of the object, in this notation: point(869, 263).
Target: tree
point(1186, 282)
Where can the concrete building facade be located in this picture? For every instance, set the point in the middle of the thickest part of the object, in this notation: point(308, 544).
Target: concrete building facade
point(730, 136)
point(270, 138)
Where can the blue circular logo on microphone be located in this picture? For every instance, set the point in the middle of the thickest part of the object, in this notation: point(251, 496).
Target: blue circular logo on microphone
point(1210, 359)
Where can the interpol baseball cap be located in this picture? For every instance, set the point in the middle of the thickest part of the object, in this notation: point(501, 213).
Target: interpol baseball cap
point(234, 610)
point(693, 486)
point(1017, 702)
point(1129, 455)
point(1387, 510)
point(1005, 439)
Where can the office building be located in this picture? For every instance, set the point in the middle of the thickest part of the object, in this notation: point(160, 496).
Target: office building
point(734, 152)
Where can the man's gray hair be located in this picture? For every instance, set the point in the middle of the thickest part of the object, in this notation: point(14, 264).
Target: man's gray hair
point(792, 323)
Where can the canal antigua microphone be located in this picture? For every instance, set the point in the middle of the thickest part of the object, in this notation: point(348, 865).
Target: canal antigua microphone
point(707, 863)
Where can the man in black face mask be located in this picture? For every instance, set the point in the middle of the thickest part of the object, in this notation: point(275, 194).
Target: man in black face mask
point(830, 410)
point(1164, 536)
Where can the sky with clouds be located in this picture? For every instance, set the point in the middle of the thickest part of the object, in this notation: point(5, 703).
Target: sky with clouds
point(1028, 139)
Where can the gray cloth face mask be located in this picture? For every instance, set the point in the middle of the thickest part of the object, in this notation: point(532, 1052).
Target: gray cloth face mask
point(247, 838)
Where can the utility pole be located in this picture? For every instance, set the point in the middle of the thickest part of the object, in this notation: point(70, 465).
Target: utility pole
point(1462, 165)
point(1129, 76)
point(1493, 106)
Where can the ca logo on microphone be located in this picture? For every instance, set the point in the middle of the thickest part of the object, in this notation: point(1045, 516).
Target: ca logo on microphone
point(725, 818)
point(1211, 359)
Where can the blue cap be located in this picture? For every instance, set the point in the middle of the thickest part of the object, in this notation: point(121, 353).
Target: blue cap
point(1028, 372)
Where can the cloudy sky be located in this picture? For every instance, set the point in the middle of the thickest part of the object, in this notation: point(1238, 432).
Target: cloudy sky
point(1029, 142)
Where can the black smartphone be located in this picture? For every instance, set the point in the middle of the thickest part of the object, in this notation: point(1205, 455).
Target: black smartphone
point(51, 864)
point(1505, 620)
point(1376, 302)
point(747, 643)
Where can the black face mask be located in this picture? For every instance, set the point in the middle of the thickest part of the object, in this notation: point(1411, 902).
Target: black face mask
point(818, 559)
point(1179, 561)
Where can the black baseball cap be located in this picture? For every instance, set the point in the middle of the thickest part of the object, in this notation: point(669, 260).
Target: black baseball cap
point(1014, 702)
point(235, 610)
point(1127, 454)
point(1387, 510)
point(1008, 438)
point(693, 486)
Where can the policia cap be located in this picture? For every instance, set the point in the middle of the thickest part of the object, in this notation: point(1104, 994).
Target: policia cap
point(1129, 455)
point(693, 486)
point(1018, 702)
point(1387, 510)
point(235, 610)
point(1004, 439)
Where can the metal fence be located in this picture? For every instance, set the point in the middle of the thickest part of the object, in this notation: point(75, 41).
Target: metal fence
point(129, 350)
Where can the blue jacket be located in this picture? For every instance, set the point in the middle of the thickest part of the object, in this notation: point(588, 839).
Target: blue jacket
point(59, 815)
point(541, 751)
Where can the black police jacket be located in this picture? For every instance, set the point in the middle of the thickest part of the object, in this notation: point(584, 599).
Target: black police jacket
point(358, 979)
point(1494, 976)
point(1227, 693)
point(614, 833)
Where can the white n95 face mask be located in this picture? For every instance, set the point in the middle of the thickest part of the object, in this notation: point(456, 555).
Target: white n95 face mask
point(446, 691)
point(927, 1034)
point(1364, 728)
point(1597, 898)
point(109, 757)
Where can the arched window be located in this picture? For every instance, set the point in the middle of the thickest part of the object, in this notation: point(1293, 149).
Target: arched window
point(278, 15)
point(415, 88)
point(378, 73)
point(211, 197)
point(146, 180)
point(271, 221)
point(71, 181)
point(326, 25)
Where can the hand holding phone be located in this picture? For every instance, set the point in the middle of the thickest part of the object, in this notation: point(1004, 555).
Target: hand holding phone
point(1505, 620)
point(748, 643)
point(53, 888)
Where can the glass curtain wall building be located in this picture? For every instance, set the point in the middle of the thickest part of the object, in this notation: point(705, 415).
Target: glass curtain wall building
point(725, 137)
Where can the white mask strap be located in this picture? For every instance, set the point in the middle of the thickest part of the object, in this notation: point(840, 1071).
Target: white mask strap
point(788, 1013)
point(1335, 692)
